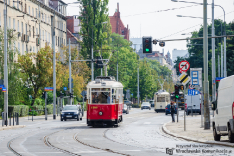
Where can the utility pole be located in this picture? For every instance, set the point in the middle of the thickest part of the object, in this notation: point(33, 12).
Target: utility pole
point(70, 81)
point(213, 56)
point(5, 66)
point(117, 67)
point(222, 59)
point(54, 72)
point(218, 65)
point(138, 95)
point(205, 66)
point(92, 78)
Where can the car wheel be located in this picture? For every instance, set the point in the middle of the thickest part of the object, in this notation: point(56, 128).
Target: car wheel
point(216, 136)
point(230, 135)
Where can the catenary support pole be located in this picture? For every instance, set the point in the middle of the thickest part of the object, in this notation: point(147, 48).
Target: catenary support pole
point(184, 110)
point(213, 56)
point(5, 66)
point(138, 91)
point(222, 60)
point(225, 57)
point(92, 77)
point(117, 67)
point(54, 74)
point(218, 65)
point(202, 109)
point(70, 79)
point(45, 105)
point(205, 68)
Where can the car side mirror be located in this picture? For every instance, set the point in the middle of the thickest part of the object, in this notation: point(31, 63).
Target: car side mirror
point(214, 105)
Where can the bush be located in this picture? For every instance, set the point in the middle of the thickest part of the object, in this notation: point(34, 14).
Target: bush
point(39, 110)
point(135, 106)
point(50, 109)
point(21, 109)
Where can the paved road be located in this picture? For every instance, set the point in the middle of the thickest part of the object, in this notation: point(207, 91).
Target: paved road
point(139, 134)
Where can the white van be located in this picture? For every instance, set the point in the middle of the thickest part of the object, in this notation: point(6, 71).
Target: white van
point(223, 123)
point(193, 103)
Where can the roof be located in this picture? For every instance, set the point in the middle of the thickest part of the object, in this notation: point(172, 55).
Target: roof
point(104, 83)
point(72, 37)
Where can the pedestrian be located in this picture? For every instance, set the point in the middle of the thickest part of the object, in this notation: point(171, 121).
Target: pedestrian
point(172, 111)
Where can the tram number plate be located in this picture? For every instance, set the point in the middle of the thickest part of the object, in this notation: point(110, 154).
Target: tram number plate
point(68, 116)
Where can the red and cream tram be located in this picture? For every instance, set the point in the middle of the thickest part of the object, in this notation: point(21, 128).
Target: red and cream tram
point(104, 101)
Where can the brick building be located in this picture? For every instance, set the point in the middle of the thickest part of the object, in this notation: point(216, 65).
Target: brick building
point(118, 26)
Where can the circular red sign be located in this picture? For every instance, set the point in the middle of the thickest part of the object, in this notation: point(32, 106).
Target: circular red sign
point(184, 66)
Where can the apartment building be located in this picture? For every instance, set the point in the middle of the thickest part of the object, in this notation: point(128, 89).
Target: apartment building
point(32, 22)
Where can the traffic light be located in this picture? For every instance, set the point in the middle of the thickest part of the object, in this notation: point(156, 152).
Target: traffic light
point(181, 87)
point(147, 44)
point(99, 63)
point(177, 91)
point(71, 95)
point(162, 44)
point(155, 42)
point(61, 94)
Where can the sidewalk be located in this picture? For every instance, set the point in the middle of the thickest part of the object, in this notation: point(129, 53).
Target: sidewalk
point(194, 132)
point(11, 127)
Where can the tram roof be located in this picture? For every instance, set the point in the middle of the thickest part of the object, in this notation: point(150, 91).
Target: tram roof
point(162, 93)
point(104, 82)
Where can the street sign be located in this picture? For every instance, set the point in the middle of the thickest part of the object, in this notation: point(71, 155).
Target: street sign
point(184, 66)
point(218, 79)
point(196, 77)
point(3, 89)
point(64, 88)
point(47, 89)
point(192, 92)
point(83, 93)
point(1, 86)
point(193, 86)
point(184, 78)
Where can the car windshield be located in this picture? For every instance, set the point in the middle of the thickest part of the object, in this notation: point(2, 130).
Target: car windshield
point(70, 108)
point(145, 104)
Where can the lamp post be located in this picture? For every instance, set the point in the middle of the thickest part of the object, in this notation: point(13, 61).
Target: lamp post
point(92, 77)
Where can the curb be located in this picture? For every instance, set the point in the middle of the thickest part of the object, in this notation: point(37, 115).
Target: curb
point(11, 127)
point(166, 131)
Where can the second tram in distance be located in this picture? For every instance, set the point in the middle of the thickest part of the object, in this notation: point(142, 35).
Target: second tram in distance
point(104, 102)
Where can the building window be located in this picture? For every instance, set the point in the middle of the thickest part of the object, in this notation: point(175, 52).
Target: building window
point(22, 48)
point(22, 25)
point(58, 41)
point(33, 31)
point(43, 34)
point(33, 49)
point(49, 37)
point(29, 10)
point(9, 24)
point(13, 23)
point(30, 30)
point(26, 29)
point(46, 36)
point(45, 18)
point(33, 12)
point(36, 13)
point(18, 26)
point(19, 47)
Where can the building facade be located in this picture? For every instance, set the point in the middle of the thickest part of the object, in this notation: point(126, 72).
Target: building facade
point(33, 21)
point(118, 26)
point(136, 44)
point(178, 53)
point(73, 29)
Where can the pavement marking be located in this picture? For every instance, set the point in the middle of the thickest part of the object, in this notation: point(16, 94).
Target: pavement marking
point(147, 123)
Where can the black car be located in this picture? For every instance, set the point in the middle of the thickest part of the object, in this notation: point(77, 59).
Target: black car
point(126, 109)
point(71, 112)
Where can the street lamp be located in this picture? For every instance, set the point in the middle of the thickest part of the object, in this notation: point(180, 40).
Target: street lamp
point(92, 77)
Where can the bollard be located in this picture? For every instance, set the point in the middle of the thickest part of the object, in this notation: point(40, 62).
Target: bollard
point(10, 119)
point(17, 118)
point(13, 120)
point(3, 119)
point(32, 115)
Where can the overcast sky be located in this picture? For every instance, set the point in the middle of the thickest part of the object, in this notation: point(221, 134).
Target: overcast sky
point(143, 18)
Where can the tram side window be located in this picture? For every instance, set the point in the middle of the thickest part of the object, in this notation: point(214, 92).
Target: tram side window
point(114, 95)
point(101, 96)
point(160, 99)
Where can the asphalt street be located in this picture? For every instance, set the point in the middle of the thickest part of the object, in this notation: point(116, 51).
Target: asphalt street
point(139, 134)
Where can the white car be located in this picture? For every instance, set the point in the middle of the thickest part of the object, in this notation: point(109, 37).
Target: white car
point(145, 105)
point(223, 123)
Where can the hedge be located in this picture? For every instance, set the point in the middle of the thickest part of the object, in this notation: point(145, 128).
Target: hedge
point(50, 109)
point(37, 107)
point(21, 109)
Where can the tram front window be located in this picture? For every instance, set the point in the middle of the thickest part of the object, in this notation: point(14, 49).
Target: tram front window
point(160, 99)
point(101, 96)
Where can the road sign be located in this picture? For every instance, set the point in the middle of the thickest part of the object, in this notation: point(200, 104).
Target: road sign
point(64, 88)
point(3, 89)
point(184, 78)
point(218, 79)
point(192, 92)
point(184, 66)
point(47, 89)
point(1, 86)
point(83, 93)
point(196, 77)
point(194, 86)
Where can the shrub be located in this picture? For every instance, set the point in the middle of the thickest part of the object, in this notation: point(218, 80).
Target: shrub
point(21, 109)
point(50, 109)
point(38, 110)
point(135, 106)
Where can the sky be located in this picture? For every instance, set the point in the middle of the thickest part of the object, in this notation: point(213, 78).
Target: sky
point(148, 18)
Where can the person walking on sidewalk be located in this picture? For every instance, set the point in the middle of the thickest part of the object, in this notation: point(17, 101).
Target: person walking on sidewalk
point(172, 111)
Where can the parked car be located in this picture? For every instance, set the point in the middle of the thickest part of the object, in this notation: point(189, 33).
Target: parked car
point(127, 102)
point(223, 123)
point(126, 109)
point(151, 103)
point(145, 105)
point(168, 109)
point(71, 112)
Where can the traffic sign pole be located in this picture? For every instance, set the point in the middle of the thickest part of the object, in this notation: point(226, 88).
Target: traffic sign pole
point(184, 111)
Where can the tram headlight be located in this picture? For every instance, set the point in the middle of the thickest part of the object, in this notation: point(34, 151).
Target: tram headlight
point(100, 113)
